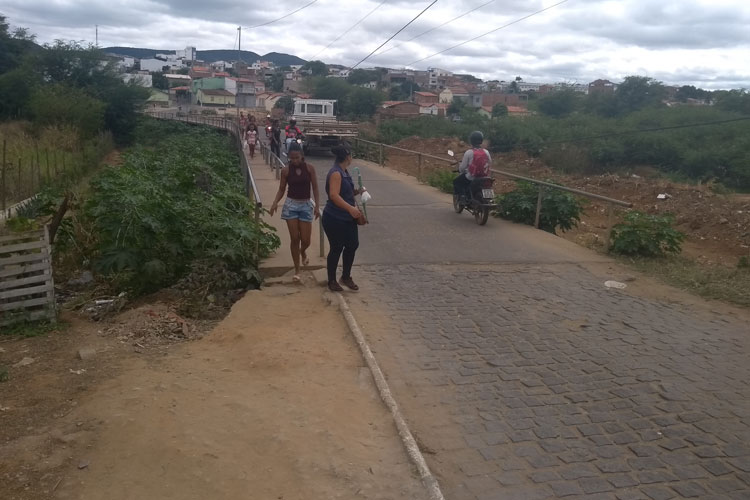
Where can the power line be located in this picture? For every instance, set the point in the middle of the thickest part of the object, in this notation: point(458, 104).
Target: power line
point(435, 28)
point(489, 32)
point(351, 28)
point(282, 17)
point(653, 129)
point(394, 35)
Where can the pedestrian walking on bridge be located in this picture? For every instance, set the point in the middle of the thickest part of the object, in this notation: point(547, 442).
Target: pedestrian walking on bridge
point(299, 211)
point(340, 219)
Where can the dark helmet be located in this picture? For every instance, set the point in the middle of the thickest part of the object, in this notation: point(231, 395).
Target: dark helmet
point(476, 138)
point(292, 122)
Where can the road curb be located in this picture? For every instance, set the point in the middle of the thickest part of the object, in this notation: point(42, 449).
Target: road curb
point(410, 444)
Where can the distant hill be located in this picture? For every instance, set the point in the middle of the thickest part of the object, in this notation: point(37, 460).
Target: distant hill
point(210, 55)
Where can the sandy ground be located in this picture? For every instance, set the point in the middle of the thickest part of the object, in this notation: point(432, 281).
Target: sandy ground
point(275, 403)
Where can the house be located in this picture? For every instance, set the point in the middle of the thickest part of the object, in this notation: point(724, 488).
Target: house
point(446, 96)
point(178, 80)
point(180, 95)
point(398, 109)
point(158, 99)
point(246, 92)
point(200, 72)
point(434, 109)
point(221, 65)
point(602, 86)
point(475, 98)
point(438, 78)
point(492, 98)
point(485, 111)
point(426, 98)
point(369, 85)
point(215, 97)
point(518, 111)
point(267, 100)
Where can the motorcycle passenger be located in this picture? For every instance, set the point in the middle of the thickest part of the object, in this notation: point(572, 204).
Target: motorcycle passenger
point(292, 132)
point(475, 163)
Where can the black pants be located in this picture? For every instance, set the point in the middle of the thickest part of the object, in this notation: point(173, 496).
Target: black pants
point(275, 149)
point(461, 185)
point(343, 237)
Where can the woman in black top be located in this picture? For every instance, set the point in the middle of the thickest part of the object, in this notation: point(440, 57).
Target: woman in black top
point(340, 219)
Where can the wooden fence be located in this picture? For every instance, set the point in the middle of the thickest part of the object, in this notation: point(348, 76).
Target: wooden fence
point(27, 290)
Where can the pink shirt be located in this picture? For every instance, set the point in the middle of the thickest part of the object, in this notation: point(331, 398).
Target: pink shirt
point(252, 137)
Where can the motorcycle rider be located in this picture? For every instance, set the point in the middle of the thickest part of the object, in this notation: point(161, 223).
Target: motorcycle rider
point(292, 132)
point(268, 126)
point(475, 163)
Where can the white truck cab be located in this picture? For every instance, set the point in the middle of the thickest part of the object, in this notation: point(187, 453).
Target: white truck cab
point(314, 109)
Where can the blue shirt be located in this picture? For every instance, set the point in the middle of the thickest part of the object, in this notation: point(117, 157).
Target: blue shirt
point(346, 192)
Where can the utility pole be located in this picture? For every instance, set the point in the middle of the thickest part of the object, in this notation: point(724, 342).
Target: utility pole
point(97, 36)
point(236, 70)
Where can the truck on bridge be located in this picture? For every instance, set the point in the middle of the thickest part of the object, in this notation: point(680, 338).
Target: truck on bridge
point(317, 120)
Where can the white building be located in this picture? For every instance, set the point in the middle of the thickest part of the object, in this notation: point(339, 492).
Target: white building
point(435, 74)
point(188, 54)
point(221, 65)
point(142, 80)
point(153, 65)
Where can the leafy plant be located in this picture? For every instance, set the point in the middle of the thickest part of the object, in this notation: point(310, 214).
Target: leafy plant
point(442, 179)
point(646, 235)
point(152, 216)
point(559, 209)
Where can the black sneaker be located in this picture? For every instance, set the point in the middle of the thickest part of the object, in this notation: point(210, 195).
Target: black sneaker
point(334, 286)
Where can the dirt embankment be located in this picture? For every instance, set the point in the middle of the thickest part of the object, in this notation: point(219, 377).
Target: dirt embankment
point(274, 403)
point(716, 225)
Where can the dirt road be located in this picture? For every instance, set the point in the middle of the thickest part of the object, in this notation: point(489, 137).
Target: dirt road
point(274, 404)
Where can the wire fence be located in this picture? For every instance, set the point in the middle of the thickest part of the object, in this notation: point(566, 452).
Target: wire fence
point(26, 166)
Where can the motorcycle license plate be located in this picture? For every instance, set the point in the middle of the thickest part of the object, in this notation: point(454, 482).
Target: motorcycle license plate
point(488, 193)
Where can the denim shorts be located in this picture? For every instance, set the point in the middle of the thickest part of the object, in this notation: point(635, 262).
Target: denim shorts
point(298, 209)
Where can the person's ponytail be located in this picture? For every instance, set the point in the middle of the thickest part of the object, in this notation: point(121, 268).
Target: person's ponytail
point(341, 152)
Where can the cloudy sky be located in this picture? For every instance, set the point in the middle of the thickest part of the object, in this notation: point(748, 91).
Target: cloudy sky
point(701, 42)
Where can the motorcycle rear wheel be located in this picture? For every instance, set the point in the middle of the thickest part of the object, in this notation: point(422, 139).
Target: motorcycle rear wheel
point(457, 207)
point(481, 214)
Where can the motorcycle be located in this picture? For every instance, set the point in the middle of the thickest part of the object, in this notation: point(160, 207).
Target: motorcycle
point(300, 139)
point(478, 201)
point(268, 131)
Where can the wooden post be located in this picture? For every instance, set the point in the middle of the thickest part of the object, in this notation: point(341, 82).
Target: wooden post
point(46, 153)
point(610, 222)
point(4, 167)
point(18, 186)
point(38, 167)
point(539, 207)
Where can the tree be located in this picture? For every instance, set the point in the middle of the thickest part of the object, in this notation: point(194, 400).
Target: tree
point(159, 81)
point(59, 104)
point(360, 76)
point(286, 103)
point(276, 82)
point(691, 92)
point(499, 110)
point(737, 101)
point(403, 91)
point(513, 87)
point(559, 104)
point(456, 106)
point(363, 102)
point(638, 92)
point(316, 68)
point(330, 88)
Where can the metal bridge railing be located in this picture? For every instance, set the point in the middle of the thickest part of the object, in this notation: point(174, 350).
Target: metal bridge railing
point(380, 149)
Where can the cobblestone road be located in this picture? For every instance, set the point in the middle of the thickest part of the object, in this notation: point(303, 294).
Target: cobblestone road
point(559, 387)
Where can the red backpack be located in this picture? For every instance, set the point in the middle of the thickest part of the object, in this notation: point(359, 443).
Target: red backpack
point(480, 164)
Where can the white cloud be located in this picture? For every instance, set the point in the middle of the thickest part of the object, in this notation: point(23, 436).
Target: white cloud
point(701, 42)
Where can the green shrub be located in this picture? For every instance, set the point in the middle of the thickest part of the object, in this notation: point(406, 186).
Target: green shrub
point(442, 179)
point(646, 235)
point(559, 209)
point(168, 206)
